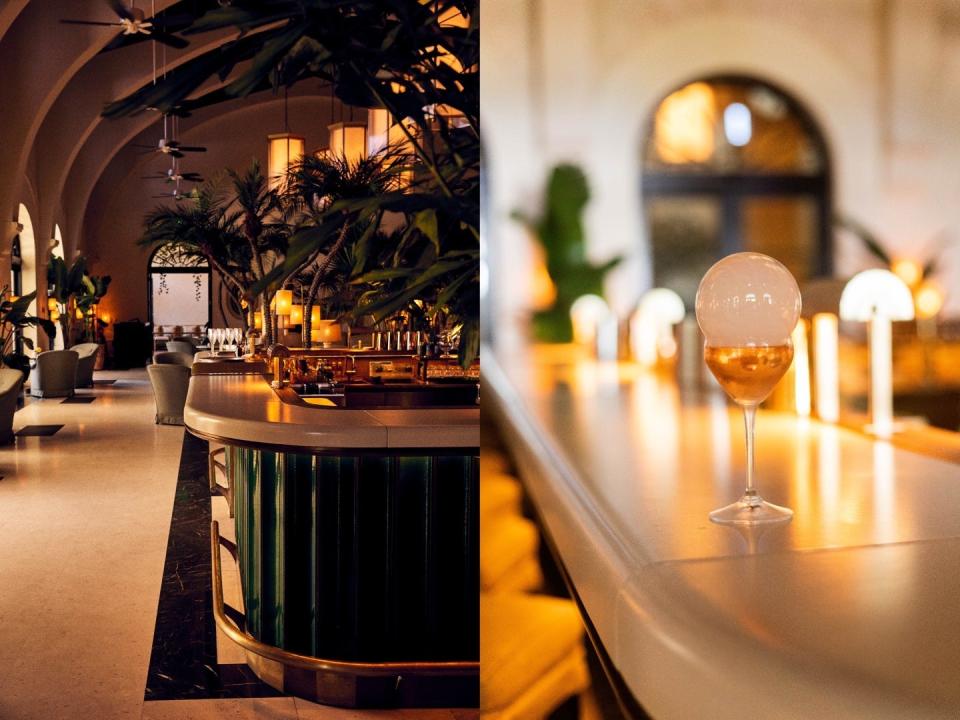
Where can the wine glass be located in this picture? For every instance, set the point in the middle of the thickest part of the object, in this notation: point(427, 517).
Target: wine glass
point(747, 307)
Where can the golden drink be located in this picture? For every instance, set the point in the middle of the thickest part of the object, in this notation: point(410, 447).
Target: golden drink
point(748, 374)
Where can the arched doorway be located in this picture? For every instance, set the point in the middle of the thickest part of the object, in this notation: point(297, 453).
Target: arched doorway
point(732, 164)
point(178, 288)
point(28, 263)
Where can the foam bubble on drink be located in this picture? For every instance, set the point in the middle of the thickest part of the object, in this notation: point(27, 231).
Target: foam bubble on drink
point(747, 299)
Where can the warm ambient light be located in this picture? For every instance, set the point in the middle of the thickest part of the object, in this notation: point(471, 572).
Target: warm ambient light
point(348, 140)
point(258, 320)
point(801, 369)
point(325, 331)
point(54, 314)
point(284, 302)
point(52, 304)
point(296, 315)
point(283, 149)
point(586, 314)
point(928, 300)
point(826, 366)
point(684, 125)
point(878, 297)
point(909, 271)
point(544, 292)
point(651, 326)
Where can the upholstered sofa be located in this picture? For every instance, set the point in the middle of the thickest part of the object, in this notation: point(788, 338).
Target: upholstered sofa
point(54, 374)
point(87, 358)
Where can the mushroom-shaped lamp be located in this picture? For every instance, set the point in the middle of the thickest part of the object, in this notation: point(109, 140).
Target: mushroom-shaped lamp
point(651, 326)
point(586, 314)
point(878, 297)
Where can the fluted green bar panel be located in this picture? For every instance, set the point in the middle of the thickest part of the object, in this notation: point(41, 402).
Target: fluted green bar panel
point(368, 558)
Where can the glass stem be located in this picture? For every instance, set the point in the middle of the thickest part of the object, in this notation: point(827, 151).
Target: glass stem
point(749, 415)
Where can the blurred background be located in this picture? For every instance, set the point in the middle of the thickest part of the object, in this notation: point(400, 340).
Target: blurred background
point(822, 132)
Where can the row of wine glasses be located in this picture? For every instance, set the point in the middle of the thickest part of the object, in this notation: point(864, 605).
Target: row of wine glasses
point(225, 339)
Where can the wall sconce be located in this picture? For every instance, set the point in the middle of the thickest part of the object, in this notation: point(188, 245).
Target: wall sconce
point(878, 297)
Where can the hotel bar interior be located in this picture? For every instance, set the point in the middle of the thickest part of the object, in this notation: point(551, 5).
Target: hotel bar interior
point(253, 251)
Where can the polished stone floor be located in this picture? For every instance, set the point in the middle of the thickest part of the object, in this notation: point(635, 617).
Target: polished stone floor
point(85, 518)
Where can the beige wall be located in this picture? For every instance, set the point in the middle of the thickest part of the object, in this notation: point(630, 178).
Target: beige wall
point(578, 80)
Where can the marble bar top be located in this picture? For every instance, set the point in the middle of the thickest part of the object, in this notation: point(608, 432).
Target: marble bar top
point(851, 610)
point(244, 409)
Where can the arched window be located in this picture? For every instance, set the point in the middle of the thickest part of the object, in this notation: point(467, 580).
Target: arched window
point(732, 164)
point(178, 287)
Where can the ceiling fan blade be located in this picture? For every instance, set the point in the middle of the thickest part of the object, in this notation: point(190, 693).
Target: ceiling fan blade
point(168, 39)
point(189, 148)
point(175, 152)
point(121, 9)
point(88, 22)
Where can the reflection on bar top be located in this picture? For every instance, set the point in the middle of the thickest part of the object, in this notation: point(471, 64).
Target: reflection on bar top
point(245, 409)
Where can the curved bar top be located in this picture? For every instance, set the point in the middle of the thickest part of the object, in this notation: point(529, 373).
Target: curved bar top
point(243, 409)
point(850, 610)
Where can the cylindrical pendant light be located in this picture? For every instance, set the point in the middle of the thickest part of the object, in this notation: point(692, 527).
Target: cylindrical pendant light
point(348, 140)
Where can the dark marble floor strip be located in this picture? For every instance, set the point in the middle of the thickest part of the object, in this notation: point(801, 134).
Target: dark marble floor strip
point(183, 663)
point(78, 400)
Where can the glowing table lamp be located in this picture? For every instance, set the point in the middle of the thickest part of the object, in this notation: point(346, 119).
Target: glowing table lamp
point(826, 353)
point(878, 297)
point(586, 314)
point(651, 326)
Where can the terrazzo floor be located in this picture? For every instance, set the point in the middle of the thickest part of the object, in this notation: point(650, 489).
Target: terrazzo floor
point(84, 524)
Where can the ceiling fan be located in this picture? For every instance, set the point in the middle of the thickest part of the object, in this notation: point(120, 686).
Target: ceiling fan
point(175, 176)
point(132, 21)
point(173, 148)
point(175, 194)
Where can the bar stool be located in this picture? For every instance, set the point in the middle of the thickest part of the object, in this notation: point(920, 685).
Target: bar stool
point(499, 495)
point(508, 555)
point(532, 656)
point(226, 490)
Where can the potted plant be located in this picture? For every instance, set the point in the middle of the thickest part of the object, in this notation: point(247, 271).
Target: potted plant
point(76, 294)
point(14, 318)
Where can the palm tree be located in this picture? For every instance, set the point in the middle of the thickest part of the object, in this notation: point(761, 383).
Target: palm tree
point(241, 234)
point(329, 196)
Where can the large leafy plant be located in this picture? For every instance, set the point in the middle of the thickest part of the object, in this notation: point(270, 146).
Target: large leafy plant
point(76, 292)
point(420, 62)
point(560, 231)
point(15, 317)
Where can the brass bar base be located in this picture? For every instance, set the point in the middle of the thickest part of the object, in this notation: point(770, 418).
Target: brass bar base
point(339, 683)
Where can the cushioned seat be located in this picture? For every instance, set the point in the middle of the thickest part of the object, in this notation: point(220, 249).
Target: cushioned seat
point(173, 358)
point(532, 656)
point(182, 346)
point(499, 495)
point(86, 359)
point(508, 555)
point(170, 382)
point(10, 383)
point(54, 374)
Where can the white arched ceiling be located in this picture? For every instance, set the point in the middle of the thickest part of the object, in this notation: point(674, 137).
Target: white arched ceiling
point(47, 56)
point(76, 114)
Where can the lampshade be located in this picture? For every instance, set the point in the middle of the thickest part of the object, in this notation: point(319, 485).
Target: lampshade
point(51, 304)
point(876, 293)
point(284, 302)
point(348, 140)
point(378, 128)
point(296, 314)
point(54, 314)
point(315, 315)
point(258, 320)
point(325, 331)
point(283, 149)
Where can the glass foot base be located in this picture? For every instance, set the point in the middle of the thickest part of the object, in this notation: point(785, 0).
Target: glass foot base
point(751, 510)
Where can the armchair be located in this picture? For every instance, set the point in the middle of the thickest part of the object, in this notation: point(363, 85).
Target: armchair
point(87, 353)
point(10, 383)
point(54, 374)
point(170, 382)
